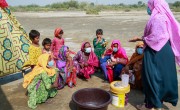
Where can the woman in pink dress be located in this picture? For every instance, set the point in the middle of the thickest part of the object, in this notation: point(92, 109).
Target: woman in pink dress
point(85, 61)
point(161, 51)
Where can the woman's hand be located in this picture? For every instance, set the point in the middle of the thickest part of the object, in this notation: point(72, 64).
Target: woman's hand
point(98, 40)
point(135, 39)
point(86, 64)
point(82, 65)
point(121, 61)
point(112, 63)
point(70, 68)
point(125, 70)
point(56, 58)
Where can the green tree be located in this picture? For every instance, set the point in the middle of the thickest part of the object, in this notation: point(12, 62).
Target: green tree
point(140, 3)
point(73, 4)
point(121, 4)
point(83, 5)
point(176, 4)
point(92, 4)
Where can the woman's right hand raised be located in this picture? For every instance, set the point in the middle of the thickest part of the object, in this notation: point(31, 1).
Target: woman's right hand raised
point(135, 39)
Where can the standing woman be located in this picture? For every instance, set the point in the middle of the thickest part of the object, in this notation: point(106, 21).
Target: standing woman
point(162, 49)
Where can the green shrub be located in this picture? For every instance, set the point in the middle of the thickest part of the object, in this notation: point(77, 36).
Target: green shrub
point(83, 5)
point(176, 9)
point(127, 10)
point(90, 8)
point(176, 4)
point(92, 11)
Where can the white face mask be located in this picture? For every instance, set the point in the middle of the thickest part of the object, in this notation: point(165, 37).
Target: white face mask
point(88, 50)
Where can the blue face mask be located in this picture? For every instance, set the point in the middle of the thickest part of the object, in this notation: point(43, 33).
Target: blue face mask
point(115, 49)
point(51, 63)
point(149, 11)
point(140, 51)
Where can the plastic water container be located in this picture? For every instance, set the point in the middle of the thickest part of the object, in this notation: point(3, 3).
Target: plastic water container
point(125, 80)
point(118, 100)
point(119, 94)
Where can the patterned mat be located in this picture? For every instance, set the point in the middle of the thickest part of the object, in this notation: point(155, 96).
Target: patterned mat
point(14, 43)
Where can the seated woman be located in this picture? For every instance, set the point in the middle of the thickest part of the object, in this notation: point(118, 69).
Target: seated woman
point(113, 61)
point(85, 61)
point(65, 65)
point(134, 66)
point(41, 81)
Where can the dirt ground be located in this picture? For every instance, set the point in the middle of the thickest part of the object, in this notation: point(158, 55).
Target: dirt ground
point(79, 27)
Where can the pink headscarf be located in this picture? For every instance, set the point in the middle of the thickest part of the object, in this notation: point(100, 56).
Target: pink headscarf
point(162, 27)
point(93, 60)
point(57, 31)
point(121, 52)
point(3, 4)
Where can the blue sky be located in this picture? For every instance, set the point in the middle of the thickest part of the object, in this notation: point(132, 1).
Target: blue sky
point(45, 2)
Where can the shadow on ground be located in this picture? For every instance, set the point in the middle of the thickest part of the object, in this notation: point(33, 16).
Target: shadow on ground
point(72, 105)
point(4, 103)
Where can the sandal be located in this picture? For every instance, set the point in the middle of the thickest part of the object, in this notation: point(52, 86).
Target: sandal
point(142, 107)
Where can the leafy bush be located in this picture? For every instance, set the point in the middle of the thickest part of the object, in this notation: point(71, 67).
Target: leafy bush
point(127, 10)
point(176, 4)
point(176, 9)
point(93, 11)
point(90, 8)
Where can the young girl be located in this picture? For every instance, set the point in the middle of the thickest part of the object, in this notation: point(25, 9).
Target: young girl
point(99, 43)
point(65, 65)
point(34, 50)
point(57, 42)
point(46, 46)
point(46, 50)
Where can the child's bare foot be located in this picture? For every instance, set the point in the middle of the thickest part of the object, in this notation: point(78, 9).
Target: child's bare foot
point(55, 85)
point(49, 101)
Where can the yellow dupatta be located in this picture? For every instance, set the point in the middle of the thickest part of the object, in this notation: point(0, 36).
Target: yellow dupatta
point(38, 69)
